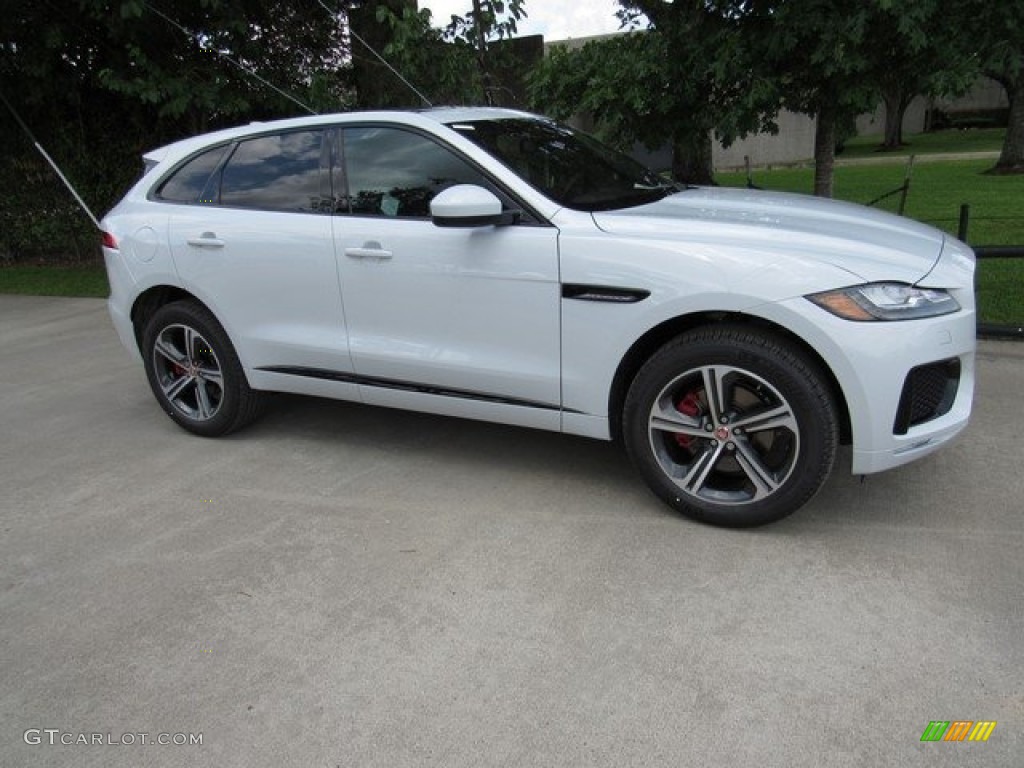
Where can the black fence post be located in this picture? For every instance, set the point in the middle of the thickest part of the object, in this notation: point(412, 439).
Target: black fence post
point(984, 252)
point(965, 220)
point(906, 184)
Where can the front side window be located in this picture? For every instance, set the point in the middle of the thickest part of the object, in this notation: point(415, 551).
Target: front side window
point(277, 173)
point(396, 173)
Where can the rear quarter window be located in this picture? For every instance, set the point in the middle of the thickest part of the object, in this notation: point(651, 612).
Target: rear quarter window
point(186, 184)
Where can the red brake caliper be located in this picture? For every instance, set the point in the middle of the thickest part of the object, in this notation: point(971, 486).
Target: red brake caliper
point(690, 406)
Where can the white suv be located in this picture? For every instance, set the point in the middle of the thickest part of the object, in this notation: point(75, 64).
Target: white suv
point(495, 265)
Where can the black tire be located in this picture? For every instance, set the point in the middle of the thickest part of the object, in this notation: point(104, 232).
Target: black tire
point(195, 373)
point(769, 391)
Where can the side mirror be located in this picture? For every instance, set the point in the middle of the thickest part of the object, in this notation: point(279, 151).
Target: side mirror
point(467, 205)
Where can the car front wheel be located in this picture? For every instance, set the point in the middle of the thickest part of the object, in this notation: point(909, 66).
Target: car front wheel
point(195, 373)
point(731, 426)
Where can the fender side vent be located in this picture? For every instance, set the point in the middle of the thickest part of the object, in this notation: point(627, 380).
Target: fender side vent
point(606, 293)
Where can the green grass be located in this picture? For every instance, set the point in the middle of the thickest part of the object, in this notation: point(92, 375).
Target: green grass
point(936, 192)
point(952, 140)
point(88, 280)
point(1000, 285)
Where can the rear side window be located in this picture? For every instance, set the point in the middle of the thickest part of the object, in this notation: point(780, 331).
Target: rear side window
point(277, 173)
point(187, 183)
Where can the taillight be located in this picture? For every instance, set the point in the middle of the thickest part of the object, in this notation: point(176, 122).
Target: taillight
point(109, 241)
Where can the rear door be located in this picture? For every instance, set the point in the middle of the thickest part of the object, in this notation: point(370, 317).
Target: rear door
point(256, 246)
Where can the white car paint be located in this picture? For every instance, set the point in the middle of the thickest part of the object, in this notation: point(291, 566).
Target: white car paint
point(480, 310)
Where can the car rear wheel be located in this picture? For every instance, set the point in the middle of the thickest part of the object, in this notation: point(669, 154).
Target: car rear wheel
point(195, 373)
point(731, 426)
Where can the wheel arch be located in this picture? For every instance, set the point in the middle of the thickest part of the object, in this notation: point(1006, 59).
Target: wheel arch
point(656, 337)
point(152, 299)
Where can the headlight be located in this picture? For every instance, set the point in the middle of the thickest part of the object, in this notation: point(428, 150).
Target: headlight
point(885, 301)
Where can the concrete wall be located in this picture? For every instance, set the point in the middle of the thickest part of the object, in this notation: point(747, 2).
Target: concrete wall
point(984, 94)
point(793, 143)
point(795, 140)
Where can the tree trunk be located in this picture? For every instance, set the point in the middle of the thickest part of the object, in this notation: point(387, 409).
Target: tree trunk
point(1011, 159)
point(896, 103)
point(824, 151)
point(691, 159)
point(481, 54)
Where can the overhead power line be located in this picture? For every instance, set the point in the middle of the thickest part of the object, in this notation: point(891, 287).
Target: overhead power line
point(49, 160)
point(228, 58)
point(380, 58)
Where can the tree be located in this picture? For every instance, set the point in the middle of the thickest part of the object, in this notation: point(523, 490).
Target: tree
point(685, 74)
point(455, 63)
point(489, 19)
point(100, 82)
point(998, 29)
point(818, 53)
point(916, 48)
point(217, 58)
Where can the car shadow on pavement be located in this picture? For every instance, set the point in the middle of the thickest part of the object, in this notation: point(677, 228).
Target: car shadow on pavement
point(306, 426)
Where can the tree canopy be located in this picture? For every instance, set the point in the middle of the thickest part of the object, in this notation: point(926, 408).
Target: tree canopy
point(914, 49)
point(454, 63)
point(685, 71)
point(100, 82)
point(697, 68)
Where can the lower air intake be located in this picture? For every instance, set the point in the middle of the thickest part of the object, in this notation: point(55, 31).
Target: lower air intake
point(928, 393)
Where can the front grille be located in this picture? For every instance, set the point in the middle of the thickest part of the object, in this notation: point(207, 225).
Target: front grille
point(928, 393)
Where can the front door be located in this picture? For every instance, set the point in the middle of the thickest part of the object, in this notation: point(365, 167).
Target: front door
point(448, 320)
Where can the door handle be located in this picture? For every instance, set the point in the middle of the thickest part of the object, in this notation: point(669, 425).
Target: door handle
point(206, 240)
point(371, 250)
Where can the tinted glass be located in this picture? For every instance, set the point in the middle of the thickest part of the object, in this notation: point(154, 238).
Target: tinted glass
point(391, 172)
point(569, 167)
point(278, 173)
point(188, 182)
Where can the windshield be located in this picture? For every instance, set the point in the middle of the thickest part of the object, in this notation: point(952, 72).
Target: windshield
point(568, 166)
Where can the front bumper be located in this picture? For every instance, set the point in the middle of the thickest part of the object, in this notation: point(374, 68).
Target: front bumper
point(872, 361)
point(892, 450)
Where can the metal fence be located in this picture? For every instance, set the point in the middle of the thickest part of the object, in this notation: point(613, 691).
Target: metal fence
point(996, 330)
point(993, 330)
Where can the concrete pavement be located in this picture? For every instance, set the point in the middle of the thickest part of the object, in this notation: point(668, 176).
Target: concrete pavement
point(346, 586)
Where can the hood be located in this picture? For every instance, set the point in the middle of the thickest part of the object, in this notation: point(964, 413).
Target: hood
point(870, 244)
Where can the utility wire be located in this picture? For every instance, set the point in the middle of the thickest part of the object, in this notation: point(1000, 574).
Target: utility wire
point(172, 22)
point(49, 160)
point(380, 58)
point(223, 55)
point(238, 64)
